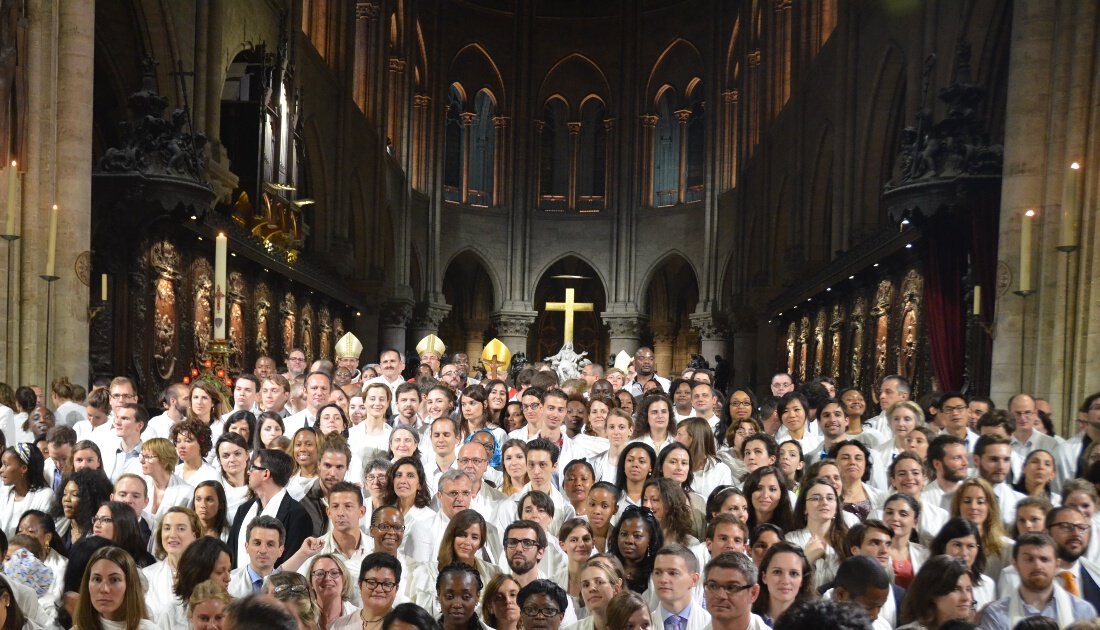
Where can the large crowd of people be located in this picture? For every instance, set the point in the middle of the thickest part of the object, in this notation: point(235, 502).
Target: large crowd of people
point(339, 496)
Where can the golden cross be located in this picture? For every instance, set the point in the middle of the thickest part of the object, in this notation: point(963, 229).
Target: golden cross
point(569, 307)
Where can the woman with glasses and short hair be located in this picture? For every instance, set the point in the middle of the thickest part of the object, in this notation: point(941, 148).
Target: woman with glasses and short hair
point(379, 579)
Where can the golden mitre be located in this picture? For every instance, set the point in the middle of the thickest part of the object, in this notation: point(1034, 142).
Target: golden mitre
point(431, 344)
point(496, 357)
point(348, 347)
point(622, 360)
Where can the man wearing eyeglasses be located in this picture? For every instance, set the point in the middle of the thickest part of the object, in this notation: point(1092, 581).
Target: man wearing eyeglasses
point(955, 415)
point(675, 574)
point(524, 546)
point(473, 459)
point(730, 585)
point(268, 473)
point(531, 404)
point(1076, 574)
point(1025, 438)
point(295, 365)
point(542, 605)
point(266, 540)
point(454, 495)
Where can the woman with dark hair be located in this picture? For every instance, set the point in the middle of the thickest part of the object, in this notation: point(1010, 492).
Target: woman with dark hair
point(908, 475)
point(599, 407)
point(634, 542)
point(653, 423)
point(575, 539)
point(270, 428)
point(941, 592)
point(206, 405)
point(618, 427)
point(576, 482)
point(193, 441)
point(741, 405)
point(21, 471)
point(628, 610)
point(1037, 474)
point(764, 537)
point(670, 506)
point(232, 453)
point(821, 531)
point(793, 410)
point(675, 462)
point(26, 402)
point(963, 540)
point(305, 450)
point(853, 458)
point(901, 513)
point(111, 594)
point(627, 401)
point(464, 541)
point(499, 607)
point(205, 559)
point(242, 423)
point(792, 462)
point(635, 465)
point(331, 419)
point(707, 471)
point(212, 508)
point(372, 433)
point(512, 416)
point(475, 415)
point(680, 391)
point(82, 494)
point(728, 499)
point(439, 402)
point(116, 521)
point(409, 615)
point(406, 489)
point(496, 399)
point(768, 499)
point(786, 578)
point(759, 450)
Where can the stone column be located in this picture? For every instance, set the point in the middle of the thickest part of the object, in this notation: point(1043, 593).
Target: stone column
point(713, 334)
point(649, 132)
point(500, 158)
point(663, 339)
point(682, 117)
point(513, 328)
point(475, 335)
point(626, 331)
point(426, 320)
point(468, 119)
point(393, 322)
point(574, 138)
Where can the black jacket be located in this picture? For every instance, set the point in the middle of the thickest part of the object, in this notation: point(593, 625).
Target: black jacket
point(297, 523)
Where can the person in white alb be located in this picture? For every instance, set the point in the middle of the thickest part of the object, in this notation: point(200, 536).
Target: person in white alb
point(123, 454)
point(318, 385)
point(731, 586)
point(175, 410)
point(675, 574)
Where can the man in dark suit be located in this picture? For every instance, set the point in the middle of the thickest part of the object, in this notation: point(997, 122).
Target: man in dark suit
point(1071, 531)
point(268, 473)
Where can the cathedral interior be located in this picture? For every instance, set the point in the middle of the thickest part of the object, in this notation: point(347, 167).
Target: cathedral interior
point(826, 187)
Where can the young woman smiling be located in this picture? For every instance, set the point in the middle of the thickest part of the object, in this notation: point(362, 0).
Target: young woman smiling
point(177, 529)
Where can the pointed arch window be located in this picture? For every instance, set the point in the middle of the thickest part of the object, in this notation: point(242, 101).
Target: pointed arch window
point(666, 152)
point(554, 156)
point(592, 157)
point(696, 145)
point(453, 154)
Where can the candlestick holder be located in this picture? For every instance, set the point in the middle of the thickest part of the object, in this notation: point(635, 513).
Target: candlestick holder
point(10, 238)
point(49, 316)
point(94, 311)
point(1065, 249)
point(1024, 294)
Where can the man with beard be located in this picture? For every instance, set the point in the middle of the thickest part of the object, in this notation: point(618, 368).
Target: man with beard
point(731, 587)
point(993, 458)
point(645, 370)
point(524, 545)
point(174, 403)
point(947, 455)
point(1034, 560)
point(832, 418)
point(1071, 532)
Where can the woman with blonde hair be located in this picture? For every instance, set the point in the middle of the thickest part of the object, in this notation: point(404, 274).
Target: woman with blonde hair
point(206, 608)
point(333, 585)
point(976, 502)
point(111, 594)
point(903, 416)
point(627, 609)
point(292, 589)
point(176, 530)
point(158, 468)
point(599, 583)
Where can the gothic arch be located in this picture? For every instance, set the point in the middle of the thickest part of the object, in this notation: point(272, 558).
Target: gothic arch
point(535, 277)
point(471, 288)
point(819, 204)
point(420, 60)
point(678, 65)
point(474, 69)
point(575, 78)
point(661, 261)
point(733, 56)
point(314, 158)
point(479, 256)
point(885, 110)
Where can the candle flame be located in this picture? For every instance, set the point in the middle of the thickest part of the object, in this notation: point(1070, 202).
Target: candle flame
point(1075, 166)
point(1029, 213)
point(55, 206)
point(221, 234)
point(13, 163)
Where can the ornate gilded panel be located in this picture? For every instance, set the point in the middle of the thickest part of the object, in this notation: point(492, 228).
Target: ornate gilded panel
point(202, 279)
point(236, 284)
point(262, 299)
point(803, 348)
point(338, 328)
point(836, 326)
point(912, 288)
point(307, 332)
point(326, 342)
point(164, 260)
point(819, 343)
point(884, 297)
point(792, 336)
point(859, 323)
point(288, 308)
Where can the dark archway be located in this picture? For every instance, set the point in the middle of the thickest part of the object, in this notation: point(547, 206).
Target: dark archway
point(468, 288)
point(589, 334)
point(671, 296)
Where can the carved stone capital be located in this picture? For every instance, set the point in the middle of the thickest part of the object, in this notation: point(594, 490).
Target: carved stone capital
point(397, 64)
point(755, 57)
point(649, 120)
point(709, 325)
point(468, 118)
point(625, 324)
point(421, 100)
point(513, 323)
point(396, 314)
point(367, 10)
point(682, 115)
point(574, 128)
point(731, 96)
point(500, 122)
point(429, 315)
point(782, 5)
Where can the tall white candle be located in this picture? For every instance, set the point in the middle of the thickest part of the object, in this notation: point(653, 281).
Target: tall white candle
point(977, 300)
point(221, 244)
point(1071, 195)
point(1025, 250)
point(13, 199)
point(51, 243)
point(103, 287)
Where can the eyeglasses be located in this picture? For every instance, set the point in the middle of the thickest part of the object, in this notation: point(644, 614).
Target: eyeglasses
point(331, 574)
point(377, 478)
point(476, 461)
point(102, 520)
point(549, 611)
point(740, 403)
point(123, 397)
point(819, 498)
point(147, 457)
point(526, 543)
point(253, 466)
point(386, 527)
point(954, 408)
point(531, 406)
point(296, 589)
point(1069, 528)
point(454, 494)
point(729, 589)
point(373, 584)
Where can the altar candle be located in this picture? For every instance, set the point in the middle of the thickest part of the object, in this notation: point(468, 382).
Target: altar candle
point(220, 246)
point(1070, 201)
point(51, 244)
point(977, 300)
point(13, 181)
point(103, 287)
point(1025, 250)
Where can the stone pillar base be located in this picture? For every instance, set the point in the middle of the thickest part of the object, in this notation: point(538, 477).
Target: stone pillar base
point(713, 335)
